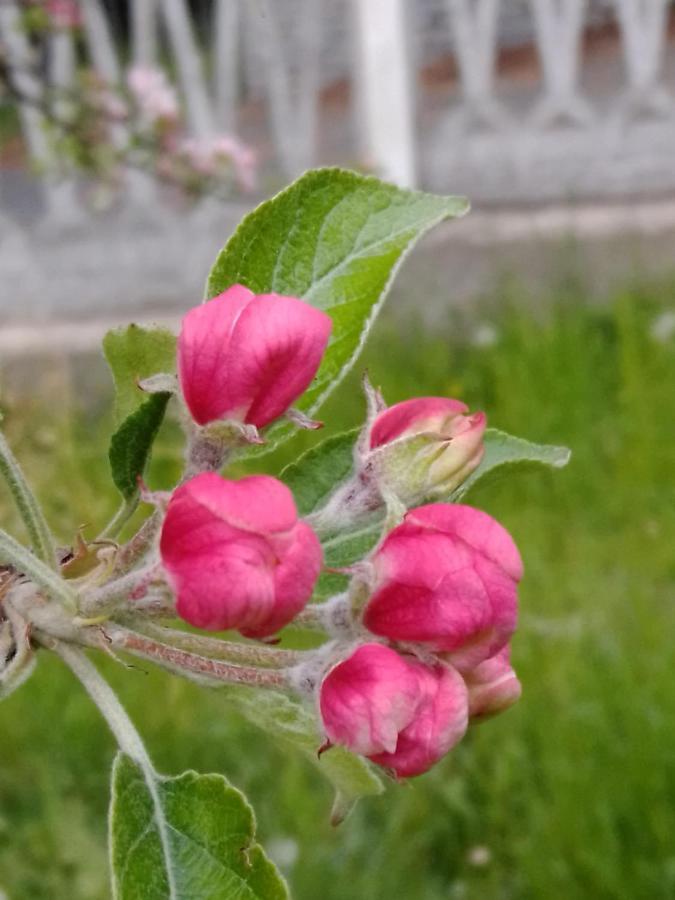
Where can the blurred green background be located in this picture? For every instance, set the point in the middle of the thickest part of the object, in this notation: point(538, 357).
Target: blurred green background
point(572, 792)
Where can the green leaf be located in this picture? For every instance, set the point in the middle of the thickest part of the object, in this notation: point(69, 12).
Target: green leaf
point(135, 353)
point(507, 455)
point(187, 837)
point(131, 444)
point(352, 776)
point(314, 476)
point(335, 239)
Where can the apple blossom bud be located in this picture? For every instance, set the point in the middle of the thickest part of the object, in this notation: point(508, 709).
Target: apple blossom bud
point(236, 554)
point(248, 358)
point(63, 14)
point(446, 578)
point(439, 724)
point(408, 453)
point(400, 713)
point(493, 686)
point(368, 699)
point(153, 94)
point(426, 446)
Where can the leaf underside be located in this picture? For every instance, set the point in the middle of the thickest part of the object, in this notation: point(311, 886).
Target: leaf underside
point(131, 444)
point(135, 353)
point(295, 723)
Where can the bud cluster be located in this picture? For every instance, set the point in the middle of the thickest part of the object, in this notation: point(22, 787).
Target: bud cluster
point(441, 592)
point(181, 158)
point(423, 642)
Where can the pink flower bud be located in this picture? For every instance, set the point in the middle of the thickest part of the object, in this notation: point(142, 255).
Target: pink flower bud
point(248, 357)
point(236, 554)
point(153, 94)
point(446, 577)
point(435, 414)
point(64, 13)
point(427, 445)
point(493, 686)
point(402, 714)
point(440, 723)
point(240, 156)
point(368, 699)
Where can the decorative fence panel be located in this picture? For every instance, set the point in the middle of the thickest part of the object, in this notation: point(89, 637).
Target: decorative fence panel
point(508, 100)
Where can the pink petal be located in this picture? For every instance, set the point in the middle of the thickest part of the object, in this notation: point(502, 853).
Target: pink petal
point(294, 580)
point(227, 588)
point(411, 416)
point(257, 503)
point(204, 352)
point(235, 554)
point(493, 686)
point(474, 527)
point(276, 350)
point(439, 723)
point(436, 588)
point(422, 560)
point(443, 618)
point(368, 698)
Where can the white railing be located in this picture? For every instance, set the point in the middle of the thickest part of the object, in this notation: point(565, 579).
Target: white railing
point(582, 122)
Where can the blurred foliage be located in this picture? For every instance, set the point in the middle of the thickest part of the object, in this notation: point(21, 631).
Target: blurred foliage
point(570, 794)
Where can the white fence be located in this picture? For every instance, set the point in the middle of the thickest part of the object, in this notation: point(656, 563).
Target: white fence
point(582, 118)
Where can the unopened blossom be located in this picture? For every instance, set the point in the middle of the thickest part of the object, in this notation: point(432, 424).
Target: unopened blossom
point(248, 357)
point(410, 452)
point(446, 578)
point(439, 724)
point(426, 446)
point(236, 554)
point(198, 154)
point(220, 155)
point(400, 713)
point(240, 156)
point(153, 94)
point(493, 686)
point(64, 14)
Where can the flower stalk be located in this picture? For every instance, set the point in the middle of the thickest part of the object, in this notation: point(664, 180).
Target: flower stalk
point(28, 507)
point(15, 554)
point(202, 668)
point(126, 510)
point(139, 544)
point(231, 651)
point(103, 600)
point(126, 735)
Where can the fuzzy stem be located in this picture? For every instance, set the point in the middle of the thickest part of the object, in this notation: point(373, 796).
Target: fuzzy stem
point(15, 554)
point(126, 510)
point(28, 507)
point(311, 618)
point(128, 738)
point(157, 604)
point(353, 503)
point(186, 663)
point(104, 599)
point(231, 651)
point(333, 617)
point(132, 551)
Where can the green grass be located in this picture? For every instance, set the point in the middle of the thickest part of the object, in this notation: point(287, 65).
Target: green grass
point(572, 792)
